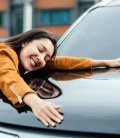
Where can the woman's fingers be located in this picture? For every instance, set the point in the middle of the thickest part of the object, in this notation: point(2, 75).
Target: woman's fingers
point(57, 107)
point(42, 120)
point(48, 120)
point(54, 118)
point(55, 113)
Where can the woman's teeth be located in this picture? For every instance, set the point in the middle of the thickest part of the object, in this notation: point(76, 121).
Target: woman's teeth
point(32, 62)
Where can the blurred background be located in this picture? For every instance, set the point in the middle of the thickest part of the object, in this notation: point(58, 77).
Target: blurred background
point(17, 16)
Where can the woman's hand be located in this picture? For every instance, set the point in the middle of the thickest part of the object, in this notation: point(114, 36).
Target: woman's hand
point(114, 63)
point(106, 63)
point(45, 111)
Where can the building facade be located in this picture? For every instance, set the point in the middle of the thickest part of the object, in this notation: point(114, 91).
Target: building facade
point(53, 15)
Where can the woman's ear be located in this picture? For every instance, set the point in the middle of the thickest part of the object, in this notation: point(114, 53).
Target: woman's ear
point(24, 44)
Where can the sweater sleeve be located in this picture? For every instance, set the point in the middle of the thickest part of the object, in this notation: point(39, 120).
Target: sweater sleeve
point(69, 63)
point(67, 76)
point(11, 84)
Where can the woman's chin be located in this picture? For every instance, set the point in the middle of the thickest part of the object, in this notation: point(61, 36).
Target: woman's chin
point(28, 68)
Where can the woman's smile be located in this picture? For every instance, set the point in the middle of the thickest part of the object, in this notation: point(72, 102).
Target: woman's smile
point(33, 64)
point(35, 61)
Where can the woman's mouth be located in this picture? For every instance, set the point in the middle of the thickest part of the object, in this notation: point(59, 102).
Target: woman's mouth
point(32, 62)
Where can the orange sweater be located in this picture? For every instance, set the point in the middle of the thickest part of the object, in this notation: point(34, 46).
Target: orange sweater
point(12, 84)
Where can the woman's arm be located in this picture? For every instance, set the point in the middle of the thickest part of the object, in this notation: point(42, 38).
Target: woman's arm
point(78, 63)
point(106, 63)
point(69, 63)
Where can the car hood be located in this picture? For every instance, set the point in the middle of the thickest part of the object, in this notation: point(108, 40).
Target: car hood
point(90, 103)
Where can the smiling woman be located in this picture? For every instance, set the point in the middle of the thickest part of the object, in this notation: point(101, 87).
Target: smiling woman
point(33, 50)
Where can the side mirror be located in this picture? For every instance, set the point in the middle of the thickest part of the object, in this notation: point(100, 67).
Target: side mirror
point(44, 89)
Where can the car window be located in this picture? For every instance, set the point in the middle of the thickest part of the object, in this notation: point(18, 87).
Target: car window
point(96, 36)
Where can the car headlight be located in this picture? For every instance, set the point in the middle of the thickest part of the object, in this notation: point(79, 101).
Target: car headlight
point(7, 135)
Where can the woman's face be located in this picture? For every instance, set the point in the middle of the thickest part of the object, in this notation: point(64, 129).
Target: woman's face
point(35, 54)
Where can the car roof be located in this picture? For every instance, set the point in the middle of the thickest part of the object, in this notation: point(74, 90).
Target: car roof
point(108, 2)
point(113, 3)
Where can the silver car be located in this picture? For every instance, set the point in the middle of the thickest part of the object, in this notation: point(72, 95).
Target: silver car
point(90, 99)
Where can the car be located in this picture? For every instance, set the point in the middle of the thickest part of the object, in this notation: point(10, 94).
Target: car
point(90, 99)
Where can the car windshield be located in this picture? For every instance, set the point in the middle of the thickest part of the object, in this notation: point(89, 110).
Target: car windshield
point(95, 36)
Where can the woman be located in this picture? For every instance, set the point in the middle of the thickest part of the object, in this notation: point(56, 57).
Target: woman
point(30, 51)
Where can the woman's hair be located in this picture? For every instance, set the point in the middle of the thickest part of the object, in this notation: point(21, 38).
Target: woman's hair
point(16, 42)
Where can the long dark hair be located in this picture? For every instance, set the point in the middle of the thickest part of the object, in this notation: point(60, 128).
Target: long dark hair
point(16, 42)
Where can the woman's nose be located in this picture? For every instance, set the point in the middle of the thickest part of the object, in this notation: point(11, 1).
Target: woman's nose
point(41, 60)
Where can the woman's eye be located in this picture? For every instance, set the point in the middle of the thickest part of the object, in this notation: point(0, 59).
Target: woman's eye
point(40, 50)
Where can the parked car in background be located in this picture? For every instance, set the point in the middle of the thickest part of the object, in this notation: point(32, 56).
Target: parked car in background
point(90, 99)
